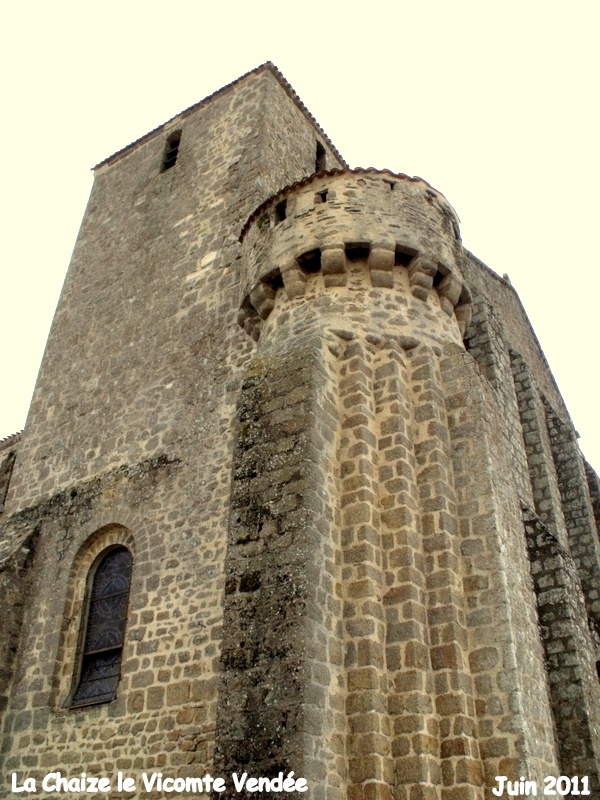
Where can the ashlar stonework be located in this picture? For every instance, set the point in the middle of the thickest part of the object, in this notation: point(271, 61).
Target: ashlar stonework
point(364, 541)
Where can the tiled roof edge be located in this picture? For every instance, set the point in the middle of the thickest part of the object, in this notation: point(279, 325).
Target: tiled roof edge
point(11, 440)
point(268, 65)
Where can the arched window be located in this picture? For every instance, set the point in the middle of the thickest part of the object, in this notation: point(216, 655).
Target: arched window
point(104, 628)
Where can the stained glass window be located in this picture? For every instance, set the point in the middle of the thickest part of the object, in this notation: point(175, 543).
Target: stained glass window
point(100, 662)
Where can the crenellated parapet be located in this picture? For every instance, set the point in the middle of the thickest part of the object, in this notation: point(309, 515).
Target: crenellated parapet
point(405, 231)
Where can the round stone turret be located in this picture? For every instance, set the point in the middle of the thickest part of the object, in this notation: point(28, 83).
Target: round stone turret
point(403, 231)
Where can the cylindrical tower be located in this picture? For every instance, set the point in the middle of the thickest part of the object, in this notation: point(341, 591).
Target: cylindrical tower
point(345, 576)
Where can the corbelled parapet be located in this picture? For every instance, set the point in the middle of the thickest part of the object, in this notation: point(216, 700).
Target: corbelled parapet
point(405, 230)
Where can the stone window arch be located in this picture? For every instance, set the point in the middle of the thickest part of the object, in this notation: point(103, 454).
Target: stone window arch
point(73, 658)
point(103, 633)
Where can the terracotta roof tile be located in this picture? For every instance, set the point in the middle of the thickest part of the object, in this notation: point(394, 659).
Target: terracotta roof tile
point(11, 440)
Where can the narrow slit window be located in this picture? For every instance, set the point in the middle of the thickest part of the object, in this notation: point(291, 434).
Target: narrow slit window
point(281, 211)
point(321, 158)
point(321, 197)
point(171, 151)
point(99, 665)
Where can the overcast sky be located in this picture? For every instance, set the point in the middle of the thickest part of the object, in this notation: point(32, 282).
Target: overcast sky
point(495, 104)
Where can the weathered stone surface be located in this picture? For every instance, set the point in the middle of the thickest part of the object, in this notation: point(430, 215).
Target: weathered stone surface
point(365, 544)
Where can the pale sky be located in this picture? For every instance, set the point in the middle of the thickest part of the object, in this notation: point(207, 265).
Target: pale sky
point(495, 104)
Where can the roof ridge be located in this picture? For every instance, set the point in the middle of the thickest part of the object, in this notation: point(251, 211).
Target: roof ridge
point(267, 65)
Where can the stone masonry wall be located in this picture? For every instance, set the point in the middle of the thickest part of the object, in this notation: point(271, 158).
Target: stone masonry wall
point(486, 342)
point(8, 453)
point(144, 366)
point(515, 729)
point(148, 299)
point(280, 646)
point(517, 331)
point(15, 580)
point(570, 652)
point(332, 573)
point(436, 704)
point(584, 546)
point(542, 473)
point(594, 489)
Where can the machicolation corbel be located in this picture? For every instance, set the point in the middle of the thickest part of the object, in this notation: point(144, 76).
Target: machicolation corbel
point(289, 234)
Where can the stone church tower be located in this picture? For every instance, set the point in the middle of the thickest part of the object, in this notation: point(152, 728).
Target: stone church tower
point(349, 534)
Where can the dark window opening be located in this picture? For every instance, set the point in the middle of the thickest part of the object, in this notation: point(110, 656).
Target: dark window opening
point(274, 279)
point(391, 184)
point(357, 251)
point(310, 262)
point(402, 258)
point(99, 665)
point(171, 150)
point(598, 669)
point(320, 160)
point(438, 277)
point(321, 197)
point(281, 211)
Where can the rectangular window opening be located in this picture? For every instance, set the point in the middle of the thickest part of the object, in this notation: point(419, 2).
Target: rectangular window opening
point(321, 158)
point(171, 151)
point(281, 211)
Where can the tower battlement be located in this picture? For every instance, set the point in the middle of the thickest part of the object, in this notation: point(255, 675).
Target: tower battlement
point(404, 229)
